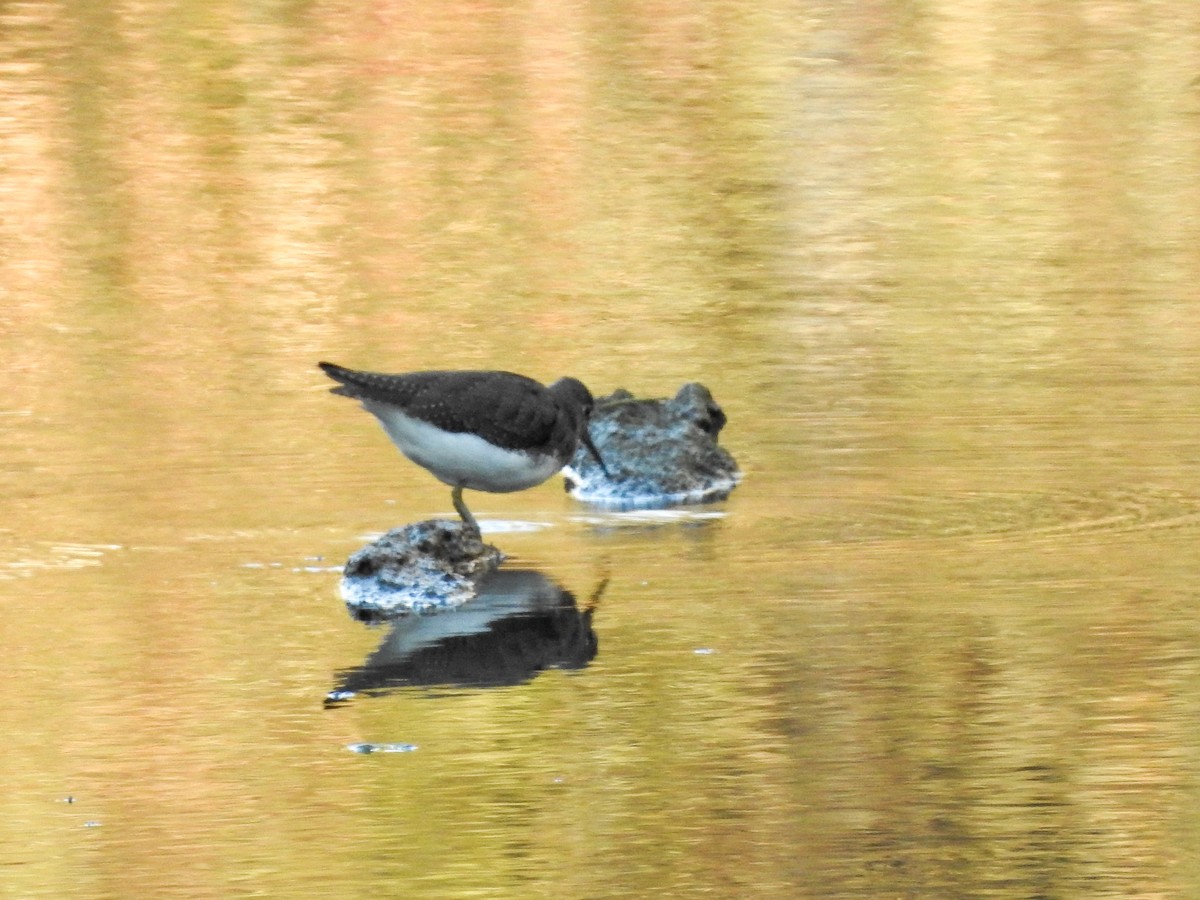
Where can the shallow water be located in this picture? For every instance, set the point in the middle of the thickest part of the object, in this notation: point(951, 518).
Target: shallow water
point(939, 267)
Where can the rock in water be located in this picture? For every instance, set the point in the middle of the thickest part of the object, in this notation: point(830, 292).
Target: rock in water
point(658, 452)
point(419, 568)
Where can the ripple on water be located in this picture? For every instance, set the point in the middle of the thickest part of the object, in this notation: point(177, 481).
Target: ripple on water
point(26, 561)
point(1007, 514)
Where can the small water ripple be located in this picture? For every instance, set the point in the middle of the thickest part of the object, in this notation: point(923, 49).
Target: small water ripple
point(1003, 515)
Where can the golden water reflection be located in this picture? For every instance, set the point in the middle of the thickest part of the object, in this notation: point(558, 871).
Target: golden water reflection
point(937, 264)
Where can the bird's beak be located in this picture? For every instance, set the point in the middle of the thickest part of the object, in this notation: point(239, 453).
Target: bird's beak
point(587, 442)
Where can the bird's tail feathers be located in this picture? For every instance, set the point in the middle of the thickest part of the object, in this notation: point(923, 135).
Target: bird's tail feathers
point(350, 382)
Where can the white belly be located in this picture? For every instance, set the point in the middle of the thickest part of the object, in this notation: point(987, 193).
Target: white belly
point(461, 459)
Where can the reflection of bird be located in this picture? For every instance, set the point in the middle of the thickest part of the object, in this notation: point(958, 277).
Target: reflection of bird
point(520, 624)
point(487, 431)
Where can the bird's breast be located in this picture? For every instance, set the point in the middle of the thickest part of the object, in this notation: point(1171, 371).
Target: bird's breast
point(463, 459)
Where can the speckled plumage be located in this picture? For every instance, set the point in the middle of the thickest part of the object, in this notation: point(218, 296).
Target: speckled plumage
point(505, 409)
point(483, 430)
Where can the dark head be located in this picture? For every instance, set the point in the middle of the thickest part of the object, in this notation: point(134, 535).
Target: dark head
point(577, 400)
point(573, 395)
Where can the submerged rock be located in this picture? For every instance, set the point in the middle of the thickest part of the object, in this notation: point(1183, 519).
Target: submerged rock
point(658, 452)
point(423, 567)
point(381, 748)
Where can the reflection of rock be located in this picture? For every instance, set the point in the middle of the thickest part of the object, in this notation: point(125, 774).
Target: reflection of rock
point(519, 624)
point(658, 452)
point(421, 567)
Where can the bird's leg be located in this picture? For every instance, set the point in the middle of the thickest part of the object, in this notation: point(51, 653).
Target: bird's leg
point(468, 519)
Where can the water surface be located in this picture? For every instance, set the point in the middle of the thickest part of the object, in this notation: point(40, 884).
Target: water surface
point(938, 265)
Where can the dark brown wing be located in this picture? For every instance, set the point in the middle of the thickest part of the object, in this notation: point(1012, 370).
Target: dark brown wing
point(504, 408)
